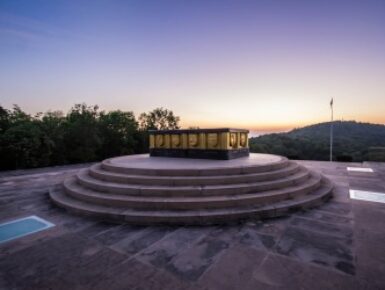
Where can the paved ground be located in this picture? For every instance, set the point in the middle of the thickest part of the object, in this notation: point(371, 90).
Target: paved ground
point(340, 245)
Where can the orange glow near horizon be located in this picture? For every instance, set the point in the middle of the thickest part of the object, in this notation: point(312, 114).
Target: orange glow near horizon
point(264, 128)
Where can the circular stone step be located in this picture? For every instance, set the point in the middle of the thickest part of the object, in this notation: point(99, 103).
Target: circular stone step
point(157, 190)
point(142, 164)
point(97, 172)
point(195, 202)
point(86, 180)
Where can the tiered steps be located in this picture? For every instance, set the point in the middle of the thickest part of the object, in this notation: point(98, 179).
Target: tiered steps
point(163, 194)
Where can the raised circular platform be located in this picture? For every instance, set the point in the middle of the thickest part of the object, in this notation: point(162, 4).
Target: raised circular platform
point(145, 190)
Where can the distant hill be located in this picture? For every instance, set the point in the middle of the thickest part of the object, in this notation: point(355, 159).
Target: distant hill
point(353, 141)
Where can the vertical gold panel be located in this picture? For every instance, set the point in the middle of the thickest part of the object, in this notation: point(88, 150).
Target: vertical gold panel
point(213, 141)
point(152, 141)
point(221, 140)
point(225, 139)
point(227, 144)
point(243, 142)
point(202, 141)
point(167, 141)
point(193, 140)
point(184, 141)
point(176, 141)
point(159, 140)
point(233, 142)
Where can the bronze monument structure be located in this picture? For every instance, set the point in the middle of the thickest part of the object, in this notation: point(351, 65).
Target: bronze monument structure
point(221, 144)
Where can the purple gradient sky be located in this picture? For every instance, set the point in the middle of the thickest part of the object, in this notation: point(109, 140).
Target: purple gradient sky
point(262, 65)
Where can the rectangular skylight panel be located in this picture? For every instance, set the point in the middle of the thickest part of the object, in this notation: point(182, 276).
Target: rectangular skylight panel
point(359, 169)
point(367, 195)
point(22, 227)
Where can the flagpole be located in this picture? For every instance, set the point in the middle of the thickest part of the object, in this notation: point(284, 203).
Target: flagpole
point(331, 131)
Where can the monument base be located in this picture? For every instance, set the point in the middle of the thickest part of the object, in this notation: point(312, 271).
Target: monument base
point(200, 153)
point(144, 190)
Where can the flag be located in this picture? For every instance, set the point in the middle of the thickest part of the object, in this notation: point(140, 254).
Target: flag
point(331, 102)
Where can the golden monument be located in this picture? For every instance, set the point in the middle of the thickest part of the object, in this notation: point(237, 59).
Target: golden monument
point(222, 143)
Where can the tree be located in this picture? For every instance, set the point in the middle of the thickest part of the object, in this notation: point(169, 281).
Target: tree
point(23, 142)
point(4, 120)
point(53, 124)
point(159, 119)
point(117, 132)
point(81, 138)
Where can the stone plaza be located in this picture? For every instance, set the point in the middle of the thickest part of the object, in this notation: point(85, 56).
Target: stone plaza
point(338, 245)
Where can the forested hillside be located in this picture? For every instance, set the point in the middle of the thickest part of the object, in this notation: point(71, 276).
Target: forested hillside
point(353, 141)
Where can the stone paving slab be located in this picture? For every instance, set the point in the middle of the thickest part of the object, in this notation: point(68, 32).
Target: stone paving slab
point(339, 245)
point(235, 269)
point(315, 247)
point(278, 272)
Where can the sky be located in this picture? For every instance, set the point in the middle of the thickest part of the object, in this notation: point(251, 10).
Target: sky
point(264, 65)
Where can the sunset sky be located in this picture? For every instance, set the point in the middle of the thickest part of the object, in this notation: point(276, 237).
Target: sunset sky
point(262, 65)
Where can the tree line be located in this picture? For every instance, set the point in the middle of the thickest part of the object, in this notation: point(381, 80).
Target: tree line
point(84, 134)
point(87, 134)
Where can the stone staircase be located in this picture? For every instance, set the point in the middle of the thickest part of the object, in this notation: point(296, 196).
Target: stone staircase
point(191, 195)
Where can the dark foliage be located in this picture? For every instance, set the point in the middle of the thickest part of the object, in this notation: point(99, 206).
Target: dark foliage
point(84, 134)
point(158, 119)
point(352, 142)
